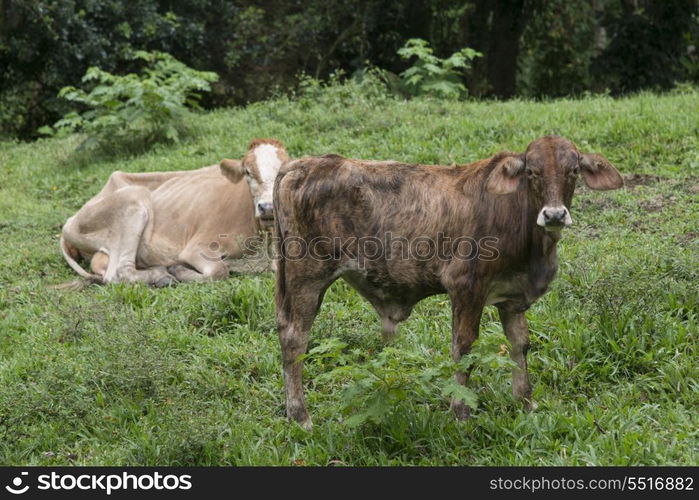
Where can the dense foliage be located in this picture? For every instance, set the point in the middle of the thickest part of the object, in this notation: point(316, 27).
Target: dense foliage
point(139, 108)
point(259, 47)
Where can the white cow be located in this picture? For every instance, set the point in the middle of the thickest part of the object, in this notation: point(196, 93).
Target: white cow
point(160, 228)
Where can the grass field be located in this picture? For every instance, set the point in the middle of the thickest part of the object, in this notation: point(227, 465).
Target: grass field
point(128, 375)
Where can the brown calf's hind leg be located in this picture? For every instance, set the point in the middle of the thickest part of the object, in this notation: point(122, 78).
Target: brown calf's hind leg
point(517, 332)
point(466, 318)
point(296, 311)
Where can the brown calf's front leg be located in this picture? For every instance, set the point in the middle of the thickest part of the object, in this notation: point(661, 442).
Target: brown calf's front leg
point(466, 318)
point(517, 332)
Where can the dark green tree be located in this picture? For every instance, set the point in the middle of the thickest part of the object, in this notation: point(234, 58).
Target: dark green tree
point(558, 46)
point(647, 42)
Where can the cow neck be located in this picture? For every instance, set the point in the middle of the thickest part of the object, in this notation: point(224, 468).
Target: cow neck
point(539, 244)
point(543, 257)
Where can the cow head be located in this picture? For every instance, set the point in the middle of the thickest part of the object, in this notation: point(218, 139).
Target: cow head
point(259, 167)
point(548, 170)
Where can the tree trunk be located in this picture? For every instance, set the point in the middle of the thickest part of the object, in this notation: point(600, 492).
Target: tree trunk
point(495, 28)
point(508, 24)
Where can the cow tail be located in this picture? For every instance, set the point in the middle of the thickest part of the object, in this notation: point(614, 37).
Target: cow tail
point(280, 298)
point(65, 248)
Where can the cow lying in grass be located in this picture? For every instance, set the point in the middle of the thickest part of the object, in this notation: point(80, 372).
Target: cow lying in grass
point(161, 228)
point(488, 233)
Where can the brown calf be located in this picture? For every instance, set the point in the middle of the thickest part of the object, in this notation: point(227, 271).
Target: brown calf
point(483, 233)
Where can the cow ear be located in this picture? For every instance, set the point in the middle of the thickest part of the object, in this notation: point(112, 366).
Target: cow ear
point(507, 176)
point(233, 170)
point(598, 173)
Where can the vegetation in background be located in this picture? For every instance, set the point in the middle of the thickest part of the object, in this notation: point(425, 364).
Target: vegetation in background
point(558, 46)
point(128, 375)
point(430, 75)
point(145, 108)
point(529, 47)
point(647, 44)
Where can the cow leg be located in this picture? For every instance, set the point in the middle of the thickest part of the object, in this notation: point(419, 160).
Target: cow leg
point(110, 229)
point(466, 318)
point(99, 263)
point(296, 310)
point(128, 211)
point(515, 326)
point(196, 266)
point(187, 274)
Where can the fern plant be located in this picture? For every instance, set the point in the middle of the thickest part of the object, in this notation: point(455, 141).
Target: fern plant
point(430, 75)
point(148, 107)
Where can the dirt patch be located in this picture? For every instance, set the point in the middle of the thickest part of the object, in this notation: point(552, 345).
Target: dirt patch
point(631, 181)
point(602, 203)
point(657, 203)
point(689, 185)
point(687, 238)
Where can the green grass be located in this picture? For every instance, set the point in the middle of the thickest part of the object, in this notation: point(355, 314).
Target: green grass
point(125, 374)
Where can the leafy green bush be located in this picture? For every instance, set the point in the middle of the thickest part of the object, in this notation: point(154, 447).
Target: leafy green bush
point(431, 75)
point(374, 388)
point(149, 107)
point(368, 84)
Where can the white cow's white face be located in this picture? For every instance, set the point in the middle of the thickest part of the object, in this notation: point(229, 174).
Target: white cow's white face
point(260, 168)
point(263, 171)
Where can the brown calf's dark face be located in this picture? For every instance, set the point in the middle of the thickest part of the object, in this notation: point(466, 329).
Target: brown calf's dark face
point(548, 170)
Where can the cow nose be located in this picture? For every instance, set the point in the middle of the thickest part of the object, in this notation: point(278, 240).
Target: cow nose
point(265, 209)
point(554, 215)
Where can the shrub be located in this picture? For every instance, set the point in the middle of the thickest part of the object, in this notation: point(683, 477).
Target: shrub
point(369, 83)
point(431, 75)
point(376, 387)
point(147, 108)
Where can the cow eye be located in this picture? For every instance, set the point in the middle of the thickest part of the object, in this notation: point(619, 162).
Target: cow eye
point(529, 171)
point(576, 169)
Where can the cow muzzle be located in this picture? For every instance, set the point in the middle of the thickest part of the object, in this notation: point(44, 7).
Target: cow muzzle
point(265, 212)
point(554, 218)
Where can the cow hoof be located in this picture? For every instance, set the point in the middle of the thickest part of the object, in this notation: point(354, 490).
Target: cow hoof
point(165, 281)
point(530, 405)
point(307, 425)
point(461, 411)
point(304, 423)
point(298, 413)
